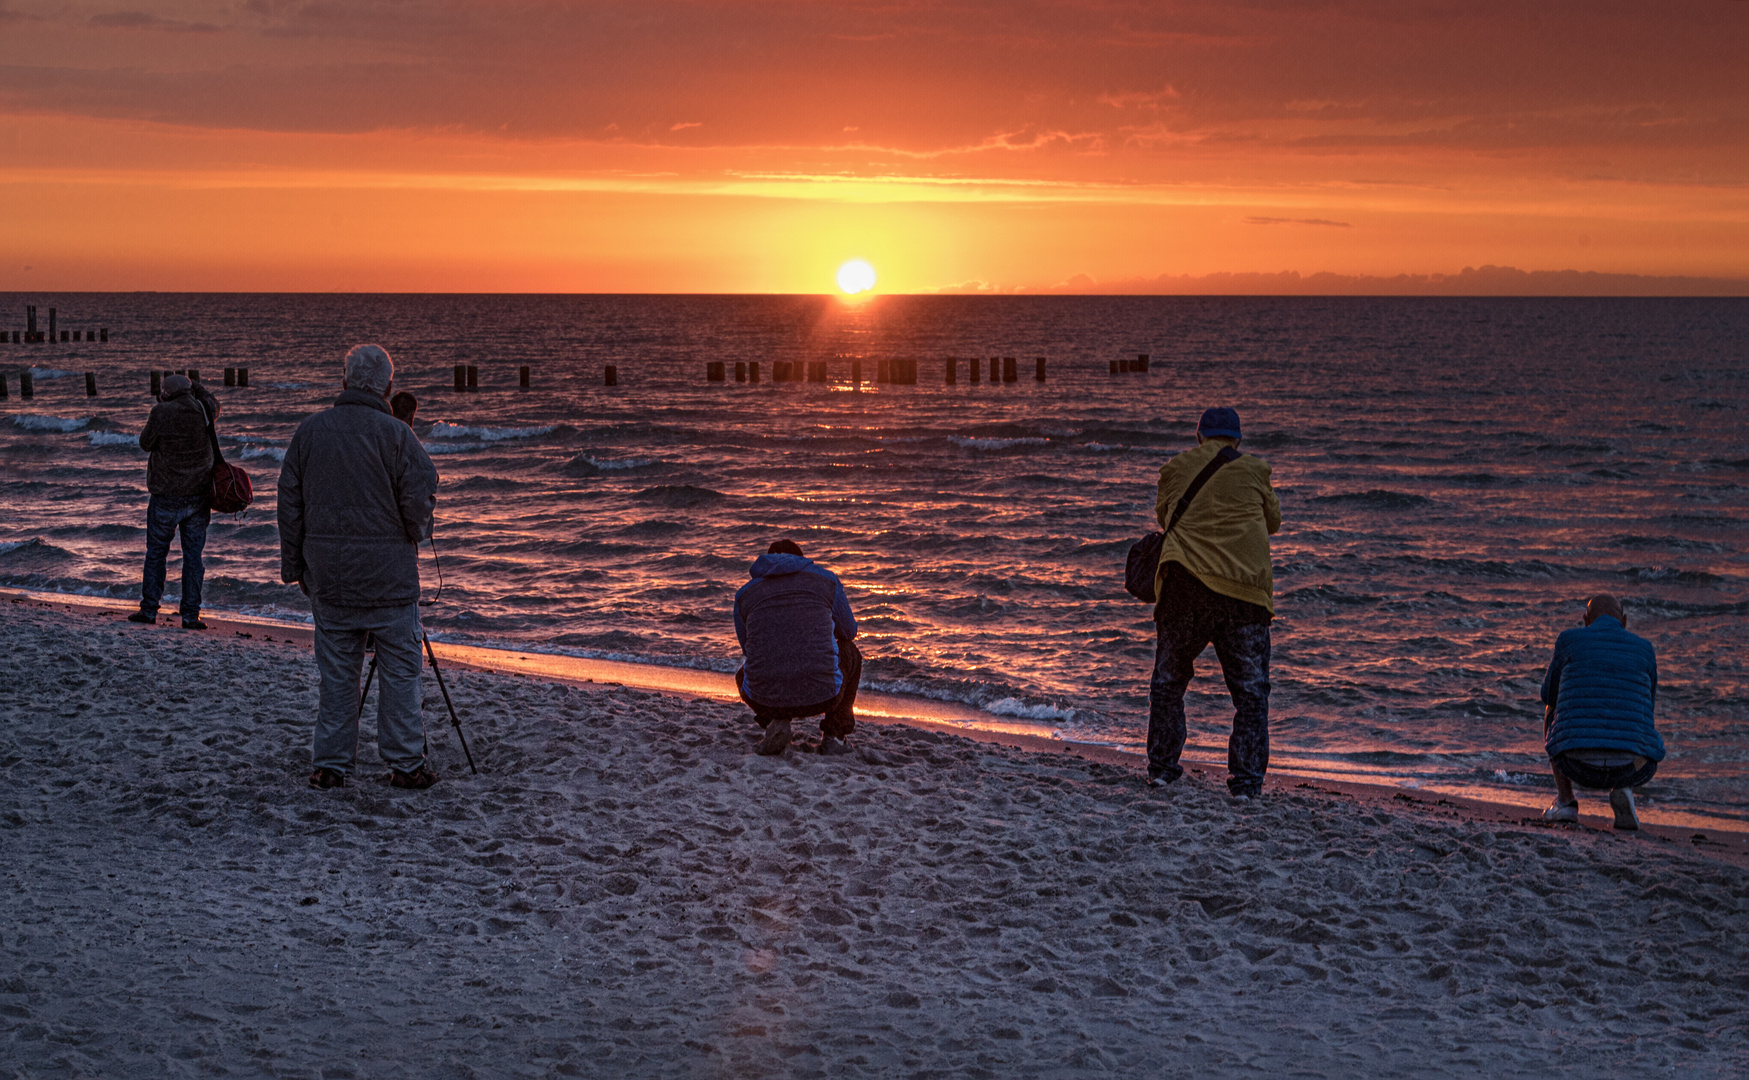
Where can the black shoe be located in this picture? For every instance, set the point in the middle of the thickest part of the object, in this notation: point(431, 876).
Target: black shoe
point(419, 779)
point(832, 746)
point(323, 779)
point(150, 618)
point(193, 624)
point(777, 736)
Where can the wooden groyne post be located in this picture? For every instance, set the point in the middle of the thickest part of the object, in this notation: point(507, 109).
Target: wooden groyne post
point(230, 376)
point(1010, 369)
point(91, 384)
point(610, 377)
point(522, 376)
point(950, 372)
point(242, 378)
point(157, 384)
point(713, 371)
point(1039, 375)
point(461, 378)
point(740, 371)
point(752, 371)
point(26, 385)
point(856, 374)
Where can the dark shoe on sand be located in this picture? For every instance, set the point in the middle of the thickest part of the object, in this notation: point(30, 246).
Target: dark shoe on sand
point(193, 624)
point(1158, 781)
point(777, 737)
point(323, 779)
point(150, 618)
point(419, 779)
point(1621, 800)
point(832, 747)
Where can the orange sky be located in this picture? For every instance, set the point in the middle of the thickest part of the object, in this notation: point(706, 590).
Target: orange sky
point(652, 146)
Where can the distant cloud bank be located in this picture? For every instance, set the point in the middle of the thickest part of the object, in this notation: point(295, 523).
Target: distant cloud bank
point(1471, 281)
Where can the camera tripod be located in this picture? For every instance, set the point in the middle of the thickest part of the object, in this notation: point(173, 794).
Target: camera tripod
point(435, 670)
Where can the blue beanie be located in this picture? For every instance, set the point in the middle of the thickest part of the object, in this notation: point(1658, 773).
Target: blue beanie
point(1219, 421)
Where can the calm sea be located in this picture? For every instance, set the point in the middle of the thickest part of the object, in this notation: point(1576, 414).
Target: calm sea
point(1455, 477)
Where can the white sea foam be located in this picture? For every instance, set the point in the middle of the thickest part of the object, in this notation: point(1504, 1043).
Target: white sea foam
point(443, 429)
point(114, 438)
point(1105, 448)
point(250, 453)
point(452, 448)
point(622, 463)
point(9, 546)
point(972, 442)
point(1015, 707)
point(39, 374)
point(39, 422)
point(287, 385)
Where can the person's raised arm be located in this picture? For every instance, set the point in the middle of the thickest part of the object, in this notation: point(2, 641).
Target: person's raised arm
point(843, 619)
point(1271, 507)
point(291, 513)
point(416, 488)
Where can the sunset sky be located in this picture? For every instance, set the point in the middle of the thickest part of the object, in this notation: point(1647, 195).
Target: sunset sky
point(746, 146)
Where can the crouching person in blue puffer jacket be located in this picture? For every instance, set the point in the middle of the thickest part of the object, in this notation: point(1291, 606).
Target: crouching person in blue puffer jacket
point(797, 632)
point(1597, 716)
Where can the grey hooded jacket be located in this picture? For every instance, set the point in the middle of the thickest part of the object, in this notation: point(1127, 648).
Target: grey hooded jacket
point(175, 435)
point(356, 495)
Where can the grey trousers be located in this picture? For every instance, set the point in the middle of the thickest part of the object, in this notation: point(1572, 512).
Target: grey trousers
point(340, 636)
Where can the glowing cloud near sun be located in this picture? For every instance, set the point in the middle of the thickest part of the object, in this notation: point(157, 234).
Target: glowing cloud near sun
point(856, 276)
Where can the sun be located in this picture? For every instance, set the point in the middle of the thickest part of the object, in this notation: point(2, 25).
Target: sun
point(856, 276)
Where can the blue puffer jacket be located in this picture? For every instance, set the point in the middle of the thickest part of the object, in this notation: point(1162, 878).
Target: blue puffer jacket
point(1602, 683)
point(789, 619)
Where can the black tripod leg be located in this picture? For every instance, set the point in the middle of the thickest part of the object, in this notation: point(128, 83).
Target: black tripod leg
point(365, 693)
point(435, 670)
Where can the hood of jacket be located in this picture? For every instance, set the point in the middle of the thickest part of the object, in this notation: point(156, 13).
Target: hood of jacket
point(364, 397)
point(767, 566)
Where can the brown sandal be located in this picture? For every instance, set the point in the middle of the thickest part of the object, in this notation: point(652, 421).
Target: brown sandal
point(323, 779)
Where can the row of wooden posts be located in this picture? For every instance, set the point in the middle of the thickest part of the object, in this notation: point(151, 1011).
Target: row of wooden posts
point(27, 385)
point(30, 335)
point(898, 371)
point(467, 377)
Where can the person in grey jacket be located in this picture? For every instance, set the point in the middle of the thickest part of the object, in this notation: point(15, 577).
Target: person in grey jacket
point(356, 496)
point(797, 635)
point(179, 475)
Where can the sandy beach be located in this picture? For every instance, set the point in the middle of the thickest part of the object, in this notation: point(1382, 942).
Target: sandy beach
point(627, 890)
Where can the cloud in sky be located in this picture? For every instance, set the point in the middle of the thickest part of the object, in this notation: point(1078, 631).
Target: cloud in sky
point(1400, 136)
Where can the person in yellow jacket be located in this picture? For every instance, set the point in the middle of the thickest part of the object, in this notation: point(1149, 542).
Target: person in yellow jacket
point(1214, 585)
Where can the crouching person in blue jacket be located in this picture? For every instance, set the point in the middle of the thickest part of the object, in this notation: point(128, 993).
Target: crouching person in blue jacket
point(1597, 719)
point(800, 658)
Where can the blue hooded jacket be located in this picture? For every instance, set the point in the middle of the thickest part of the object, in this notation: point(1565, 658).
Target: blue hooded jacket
point(1602, 683)
point(790, 618)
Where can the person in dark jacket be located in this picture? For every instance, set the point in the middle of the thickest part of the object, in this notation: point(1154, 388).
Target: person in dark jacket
point(179, 475)
point(798, 640)
point(1597, 719)
point(356, 496)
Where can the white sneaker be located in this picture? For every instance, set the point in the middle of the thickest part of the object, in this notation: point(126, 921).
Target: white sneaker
point(1621, 800)
point(1560, 811)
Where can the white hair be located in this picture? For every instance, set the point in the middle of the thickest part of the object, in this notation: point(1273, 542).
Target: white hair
point(368, 367)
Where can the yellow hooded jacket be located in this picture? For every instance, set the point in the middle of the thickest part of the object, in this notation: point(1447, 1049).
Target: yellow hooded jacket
point(1223, 538)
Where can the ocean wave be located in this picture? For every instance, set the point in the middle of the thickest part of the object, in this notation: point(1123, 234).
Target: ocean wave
point(679, 495)
point(443, 429)
point(452, 448)
point(41, 374)
point(34, 550)
point(114, 438)
point(41, 422)
point(1375, 499)
point(621, 463)
point(1669, 575)
point(1024, 710)
point(1678, 543)
point(1104, 448)
point(287, 385)
point(973, 442)
point(252, 453)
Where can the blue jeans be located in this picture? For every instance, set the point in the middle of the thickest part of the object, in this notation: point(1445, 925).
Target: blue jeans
point(1189, 617)
point(166, 515)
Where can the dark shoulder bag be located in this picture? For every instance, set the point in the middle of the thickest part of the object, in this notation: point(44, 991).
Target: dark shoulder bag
point(1144, 561)
point(232, 492)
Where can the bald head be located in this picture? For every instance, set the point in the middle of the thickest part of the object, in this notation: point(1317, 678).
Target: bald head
point(1604, 604)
